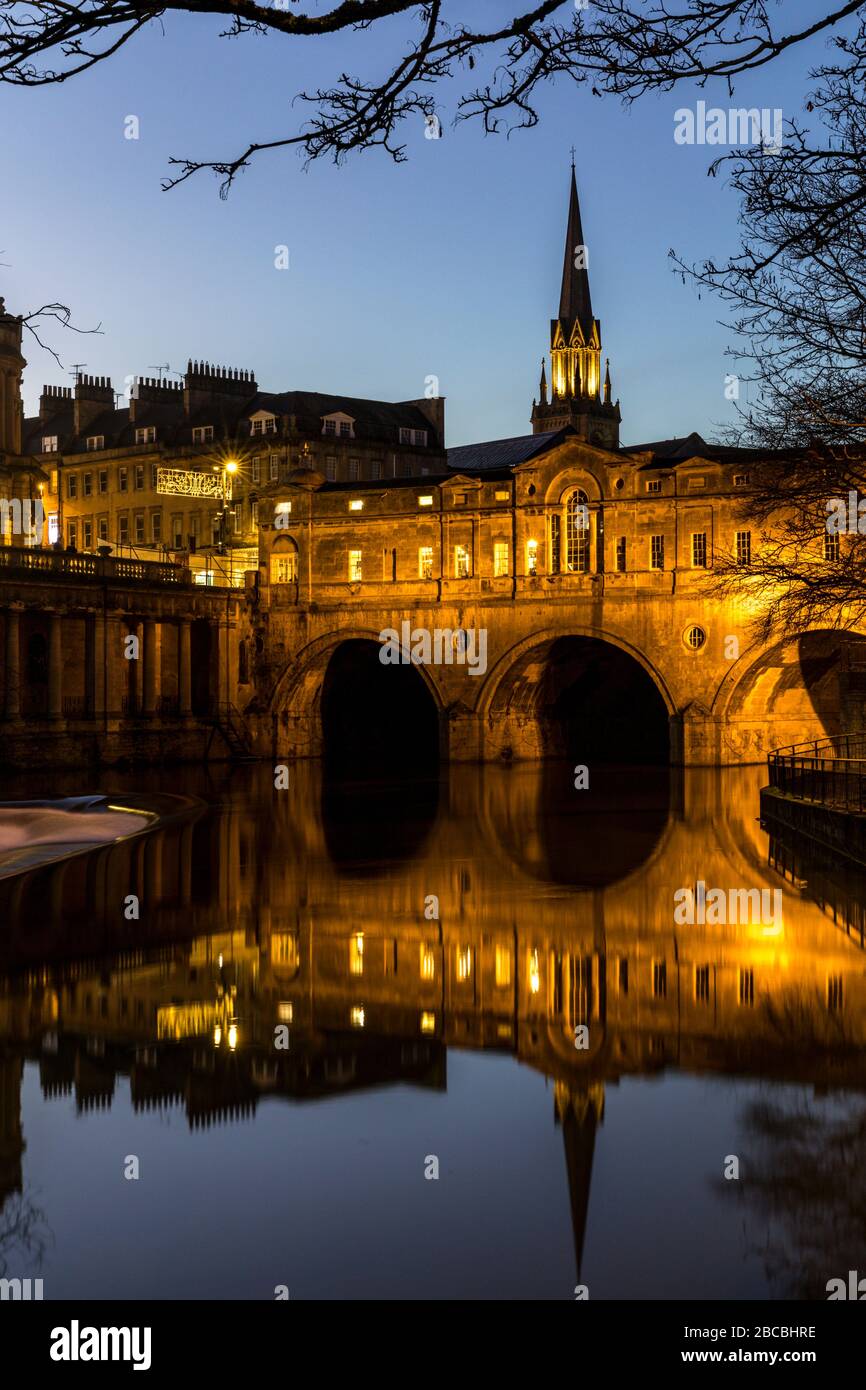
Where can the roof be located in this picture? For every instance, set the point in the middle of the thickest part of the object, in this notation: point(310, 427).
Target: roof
point(503, 453)
point(373, 419)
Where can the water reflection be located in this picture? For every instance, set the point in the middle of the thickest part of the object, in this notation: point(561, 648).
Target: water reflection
point(329, 941)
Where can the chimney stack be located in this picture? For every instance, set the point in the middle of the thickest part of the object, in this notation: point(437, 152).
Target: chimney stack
point(93, 395)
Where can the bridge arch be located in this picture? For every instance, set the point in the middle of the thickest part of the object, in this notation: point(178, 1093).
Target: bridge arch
point(789, 691)
point(336, 687)
point(543, 687)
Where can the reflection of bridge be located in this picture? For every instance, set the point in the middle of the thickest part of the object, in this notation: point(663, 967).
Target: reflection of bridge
point(262, 913)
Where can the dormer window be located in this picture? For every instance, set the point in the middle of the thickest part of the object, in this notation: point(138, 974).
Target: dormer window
point(418, 437)
point(95, 441)
point(49, 443)
point(654, 485)
point(263, 424)
point(202, 434)
point(338, 425)
point(146, 434)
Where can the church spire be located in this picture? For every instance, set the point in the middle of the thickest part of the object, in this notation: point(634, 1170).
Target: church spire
point(543, 383)
point(574, 300)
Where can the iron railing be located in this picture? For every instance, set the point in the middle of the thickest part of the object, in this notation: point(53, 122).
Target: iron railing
point(830, 771)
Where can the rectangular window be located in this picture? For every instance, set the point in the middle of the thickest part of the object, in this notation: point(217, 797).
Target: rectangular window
point(139, 477)
point(741, 480)
point(49, 444)
point(87, 484)
point(72, 533)
point(555, 543)
point(657, 552)
point(254, 514)
point(87, 534)
point(346, 429)
point(355, 566)
point(419, 437)
point(139, 528)
point(747, 987)
point(702, 984)
point(284, 568)
point(621, 554)
point(102, 528)
point(103, 480)
point(274, 467)
point(122, 479)
point(744, 547)
point(376, 469)
point(502, 967)
point(461, 562)
point(503, 496)
point(202, 434)
point(123, 529)
point(660, 979)
point(354, 470)
point(699, 550)
point(72, 485)
point(532, 557)
point(156, 527)
point(145, 434)
point(405, 436)
point(425, 562)
point(832, 547)
point(500, 559)
point(331, 468)
point(330, 427)
point(177, 531)
point(256, 469)
point(95, 441)
point(834, 993)
point(154, 470)
point(654, 485)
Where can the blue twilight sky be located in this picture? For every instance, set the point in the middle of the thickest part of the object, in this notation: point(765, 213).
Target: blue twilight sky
point(448, 265)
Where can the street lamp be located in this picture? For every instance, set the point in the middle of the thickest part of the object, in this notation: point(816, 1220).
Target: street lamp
point(230, 467)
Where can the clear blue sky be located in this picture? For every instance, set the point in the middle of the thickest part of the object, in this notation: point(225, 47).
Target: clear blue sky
point(446, 265)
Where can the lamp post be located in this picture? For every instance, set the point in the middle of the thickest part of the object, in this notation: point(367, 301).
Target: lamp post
point(230, 467)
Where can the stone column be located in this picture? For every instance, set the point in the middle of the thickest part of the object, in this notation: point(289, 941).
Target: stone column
point(184, 668)
point(115, 666)
point(98, 672)
point(55, 666)
point(13, 664)
point(151, 663)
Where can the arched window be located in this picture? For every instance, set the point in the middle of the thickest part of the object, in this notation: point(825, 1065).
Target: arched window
point(577, 532)
point(284, 562)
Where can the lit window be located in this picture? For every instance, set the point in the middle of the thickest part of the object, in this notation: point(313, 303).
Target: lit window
point(355, 566)
point(425, 562)
point(49, 444)
point(500, 559)
point(503, 496)
point(146, 434)
point(284, 567)
point(428, 1023)
point(534, 973)
point(356, 506)
point(461, 562)
point(356, 954)
point(532, 557)
point(95, 441)
point(428, 963)
point(357, 1017)
point(699, 550)
point(464, 962)
point(503, 967)
point(657, 552)
point(577, 532)
point(744, 547)
point(53, 528)
point(425, 501)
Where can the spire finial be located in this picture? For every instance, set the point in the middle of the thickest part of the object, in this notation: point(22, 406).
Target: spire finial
point(607, 381)
point(573, 153)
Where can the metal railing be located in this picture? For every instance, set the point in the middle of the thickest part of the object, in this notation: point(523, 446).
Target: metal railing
point(829, 771)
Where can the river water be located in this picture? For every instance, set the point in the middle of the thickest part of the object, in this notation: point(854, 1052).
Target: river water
point(432, 1040)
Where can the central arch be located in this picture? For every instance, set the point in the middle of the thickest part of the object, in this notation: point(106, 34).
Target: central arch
point(583, 696)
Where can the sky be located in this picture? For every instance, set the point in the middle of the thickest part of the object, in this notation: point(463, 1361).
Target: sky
point(448, 265)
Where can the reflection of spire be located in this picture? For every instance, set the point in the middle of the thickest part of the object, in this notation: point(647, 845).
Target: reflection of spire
point(579, 1112)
